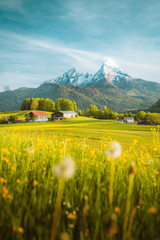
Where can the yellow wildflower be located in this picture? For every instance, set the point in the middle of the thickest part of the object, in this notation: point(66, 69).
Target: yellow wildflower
point(135, 141)
point(20, 230)
point(117, 210)
point(152, 210)
point(35, 182)
point(18, 181)
point(5, 193)
point(72, 216)
point(2, 180)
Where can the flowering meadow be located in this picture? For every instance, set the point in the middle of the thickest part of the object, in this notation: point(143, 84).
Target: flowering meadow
point(58, 186)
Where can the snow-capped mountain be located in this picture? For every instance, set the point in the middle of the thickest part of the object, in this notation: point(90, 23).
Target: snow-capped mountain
point(109, 86)
point(71, 78)
point(5, 88)
point(109, 74)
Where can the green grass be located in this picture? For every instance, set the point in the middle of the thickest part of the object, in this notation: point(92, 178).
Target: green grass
point(19, 114)
point(92, 128)
point(29, 188)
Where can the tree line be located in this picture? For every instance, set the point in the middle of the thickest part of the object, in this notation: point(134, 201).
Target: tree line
point(149, 118)
point(47, 104)
point(68, 105)
point(107, 113)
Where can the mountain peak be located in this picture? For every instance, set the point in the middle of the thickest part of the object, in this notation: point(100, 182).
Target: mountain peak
point(108, 74)
point(109, 62)
point(71, 72)
point(5, 89)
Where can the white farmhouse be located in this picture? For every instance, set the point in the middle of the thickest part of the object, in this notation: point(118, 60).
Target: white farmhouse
point(36, 116)
point(128, 119)
point(63, 114)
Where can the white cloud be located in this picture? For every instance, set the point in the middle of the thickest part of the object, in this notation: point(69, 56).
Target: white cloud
point(83, 58)
point(38, 59)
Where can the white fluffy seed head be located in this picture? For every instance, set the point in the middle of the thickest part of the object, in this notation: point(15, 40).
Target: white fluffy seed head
point(65, 169)
point(114, 151)
point(30, 150)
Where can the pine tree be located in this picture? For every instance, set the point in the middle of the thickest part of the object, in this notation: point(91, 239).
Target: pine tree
point(34, 104)
point(65, 105)
point(75, 106)
point(26, 104)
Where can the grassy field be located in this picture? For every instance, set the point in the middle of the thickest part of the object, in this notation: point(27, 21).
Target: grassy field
point(94, 129)
point(20, 114)
point(105, 199)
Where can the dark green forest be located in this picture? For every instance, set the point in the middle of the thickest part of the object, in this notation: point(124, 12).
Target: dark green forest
point(47, 104)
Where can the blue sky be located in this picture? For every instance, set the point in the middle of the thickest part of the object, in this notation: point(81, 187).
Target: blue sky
point(41, 39)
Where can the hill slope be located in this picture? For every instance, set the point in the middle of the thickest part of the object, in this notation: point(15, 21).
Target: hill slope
point(155, 108)
point(84, 96)
point(109, 86)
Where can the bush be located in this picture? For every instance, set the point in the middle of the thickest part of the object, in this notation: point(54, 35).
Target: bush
point(4, 120)
point(12, 119)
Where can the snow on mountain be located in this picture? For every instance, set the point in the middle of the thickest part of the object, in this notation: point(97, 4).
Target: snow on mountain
point(5, 88)
point(71, 78)
point(111, 62)
point(109, 73)
point(83, 79)
point(71, 73)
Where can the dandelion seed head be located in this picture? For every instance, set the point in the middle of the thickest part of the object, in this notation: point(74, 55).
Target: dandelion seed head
point(71, 225)
point(149, 161)
point(77, 209)
point(114, 151)
point(65, 169)
point(68, 205)
point(30, 150)
point(64, 236)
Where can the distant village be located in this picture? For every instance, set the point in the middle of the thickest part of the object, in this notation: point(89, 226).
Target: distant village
point(44, 110)
point(40, 116)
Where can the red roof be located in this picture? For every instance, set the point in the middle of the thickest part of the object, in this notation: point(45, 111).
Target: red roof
point(39, 113)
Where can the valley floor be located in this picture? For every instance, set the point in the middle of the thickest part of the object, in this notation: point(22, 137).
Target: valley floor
point(60, 180)
point(94, 129)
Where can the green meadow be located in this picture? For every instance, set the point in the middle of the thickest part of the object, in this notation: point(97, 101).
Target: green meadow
point(20, 114)
point(94, 129)
point(105, 198)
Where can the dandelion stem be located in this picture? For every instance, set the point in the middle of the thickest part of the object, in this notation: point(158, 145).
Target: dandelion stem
point(133, 213)
point(64, 148)
point(111, 183)
point(85, 210)
point(57, 210)
point(126, 216)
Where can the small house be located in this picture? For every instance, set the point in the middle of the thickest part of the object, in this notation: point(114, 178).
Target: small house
point(36, 116)
point(142, 122)
point(128, 119)
point(63, 114)
point(119, 121)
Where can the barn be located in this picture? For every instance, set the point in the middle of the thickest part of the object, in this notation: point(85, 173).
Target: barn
point(63, 114)
point(36, 116)
point(128, 119)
